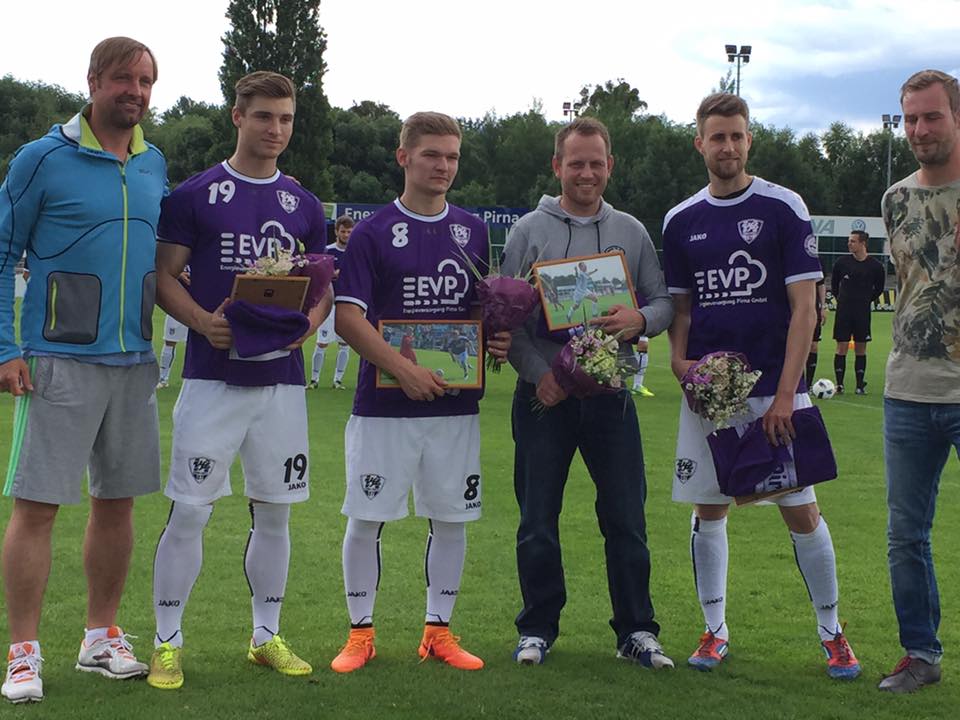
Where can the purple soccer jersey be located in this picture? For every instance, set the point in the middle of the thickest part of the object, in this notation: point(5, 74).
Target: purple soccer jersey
point(404, 266)
point(337, 253)
point(229, 220)
point(735, 259)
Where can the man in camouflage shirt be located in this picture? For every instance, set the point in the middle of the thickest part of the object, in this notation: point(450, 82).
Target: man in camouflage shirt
point(922, 394)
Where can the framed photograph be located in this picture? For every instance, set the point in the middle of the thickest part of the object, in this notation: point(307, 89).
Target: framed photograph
point(453, 349)
point(575, 290)
point(275, 290)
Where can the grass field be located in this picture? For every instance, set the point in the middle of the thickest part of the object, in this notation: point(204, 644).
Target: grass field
point(775, 669)
point(559, 317)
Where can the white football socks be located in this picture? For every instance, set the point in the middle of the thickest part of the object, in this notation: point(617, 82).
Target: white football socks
point(710, 555)
point(316, 364)
point(166, 361)
point(343, 357)
point(443, 564)
point(643, 359)
point(818, 566)
point(176, 567)
point(266, 563)
point(361, 568)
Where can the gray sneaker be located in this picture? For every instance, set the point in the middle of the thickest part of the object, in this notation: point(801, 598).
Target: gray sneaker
point(910, 675)
point(643, 648)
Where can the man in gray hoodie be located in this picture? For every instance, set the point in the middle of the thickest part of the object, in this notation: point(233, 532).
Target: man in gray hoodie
point(604, 428)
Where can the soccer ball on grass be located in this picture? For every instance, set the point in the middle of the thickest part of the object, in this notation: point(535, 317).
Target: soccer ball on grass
point(823, 389)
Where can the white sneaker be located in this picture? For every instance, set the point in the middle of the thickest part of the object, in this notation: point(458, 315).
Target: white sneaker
point(111, 656)
point(23, 683)
point(643, 648)
point(531, 650)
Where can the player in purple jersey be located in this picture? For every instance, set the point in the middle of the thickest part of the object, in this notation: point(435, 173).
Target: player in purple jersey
point(219, 221)
point(740, 260)
point(406, 263)
point(326, 333)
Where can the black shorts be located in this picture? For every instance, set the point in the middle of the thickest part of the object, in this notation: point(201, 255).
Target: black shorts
point(851, 322)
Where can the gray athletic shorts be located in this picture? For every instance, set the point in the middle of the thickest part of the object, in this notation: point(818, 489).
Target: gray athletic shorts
point(84, 416)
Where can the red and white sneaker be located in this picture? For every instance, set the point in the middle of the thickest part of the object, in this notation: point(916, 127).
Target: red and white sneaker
point(111, 656)
point(842, 664)
point(709, 653)
point(23, 683)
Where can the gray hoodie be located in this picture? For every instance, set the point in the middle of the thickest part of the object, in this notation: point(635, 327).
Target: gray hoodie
point(550, 233)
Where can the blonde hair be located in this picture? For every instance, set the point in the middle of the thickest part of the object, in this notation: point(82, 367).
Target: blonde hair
point(427, 123)
point(117, 51)
point(582, 126)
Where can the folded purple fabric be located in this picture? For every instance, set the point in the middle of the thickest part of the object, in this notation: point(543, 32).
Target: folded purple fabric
point(259, 329)
point(744, 462)
point(319, 269)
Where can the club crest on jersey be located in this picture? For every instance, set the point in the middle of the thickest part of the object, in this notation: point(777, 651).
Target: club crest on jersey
point(288, 201)
point(685, 469)
point(372, 485)
point(810, 245)
point(200, 468)
point(750, 229)
point(460, 234)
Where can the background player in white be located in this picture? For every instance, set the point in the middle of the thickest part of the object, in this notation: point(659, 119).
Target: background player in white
point(326, 333)
point(642, 355)
point(405, 263)
point(174, 332)
point(742, 219)
point(217, 221)
point(583, 290)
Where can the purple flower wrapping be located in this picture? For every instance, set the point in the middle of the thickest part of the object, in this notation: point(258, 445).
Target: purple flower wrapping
point(505, 302)
point(573, 379)
point(319, 268)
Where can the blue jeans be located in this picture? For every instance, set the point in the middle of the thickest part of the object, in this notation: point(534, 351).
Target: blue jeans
point(605, 430)
point(917, 439)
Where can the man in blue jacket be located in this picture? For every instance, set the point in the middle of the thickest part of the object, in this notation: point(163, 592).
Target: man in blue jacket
point(83, 202)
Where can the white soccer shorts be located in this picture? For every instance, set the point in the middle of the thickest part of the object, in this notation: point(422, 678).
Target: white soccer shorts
point(694, 476)
point(174, 330)
point(267, 426)
point(326, 333)
point(438, 457)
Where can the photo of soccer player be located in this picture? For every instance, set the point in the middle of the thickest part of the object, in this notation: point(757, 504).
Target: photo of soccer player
point(576, 290)
point(452, 350)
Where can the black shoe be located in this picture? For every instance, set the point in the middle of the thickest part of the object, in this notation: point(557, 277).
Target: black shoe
point(839, 389)
point(861, 391)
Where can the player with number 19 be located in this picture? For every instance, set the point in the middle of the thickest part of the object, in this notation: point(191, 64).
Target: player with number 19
point(219, 221)
point(406, 263)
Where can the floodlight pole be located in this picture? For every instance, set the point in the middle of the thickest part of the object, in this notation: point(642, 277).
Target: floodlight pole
point(890, 123)
point(741, 56)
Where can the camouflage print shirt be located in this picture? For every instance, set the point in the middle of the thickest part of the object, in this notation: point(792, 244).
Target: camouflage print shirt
point(924, 231)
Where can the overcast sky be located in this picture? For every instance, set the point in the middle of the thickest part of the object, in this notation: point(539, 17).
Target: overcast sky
point(813, 62)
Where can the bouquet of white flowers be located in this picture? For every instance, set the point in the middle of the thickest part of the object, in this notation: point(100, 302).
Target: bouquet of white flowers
point(717, 386)
point(589, 364)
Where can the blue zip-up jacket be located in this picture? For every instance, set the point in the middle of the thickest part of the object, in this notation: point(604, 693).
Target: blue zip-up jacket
point(88, 224)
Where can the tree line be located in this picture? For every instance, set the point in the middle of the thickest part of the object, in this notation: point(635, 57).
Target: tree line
point(347, 154)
